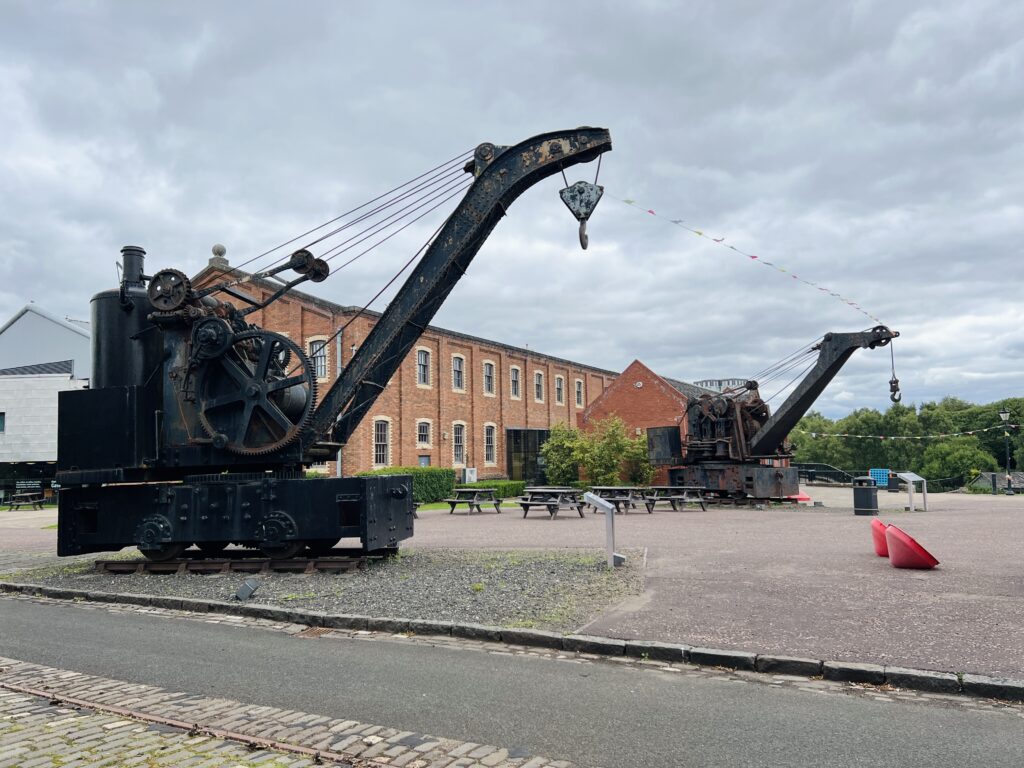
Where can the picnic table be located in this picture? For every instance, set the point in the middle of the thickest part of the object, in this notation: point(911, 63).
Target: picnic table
point(32, 499)
point(473, 498)
point(552, 499)
point(674, 495)
point(622, 497)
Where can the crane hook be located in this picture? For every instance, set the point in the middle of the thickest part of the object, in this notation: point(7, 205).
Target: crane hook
point(894, 389)
point(581, 198)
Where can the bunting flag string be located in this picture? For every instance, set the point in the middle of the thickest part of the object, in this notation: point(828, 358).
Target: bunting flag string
point(1003, 427)
point(752, 257)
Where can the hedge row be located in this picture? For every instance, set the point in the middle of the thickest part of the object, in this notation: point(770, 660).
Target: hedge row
point(429, 484)
point(503, 489)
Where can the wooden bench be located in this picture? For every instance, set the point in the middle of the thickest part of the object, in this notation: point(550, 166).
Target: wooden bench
point(553, 499)
point(19, 500)
point(675, 497)
point(473, 498)
point(526, 504)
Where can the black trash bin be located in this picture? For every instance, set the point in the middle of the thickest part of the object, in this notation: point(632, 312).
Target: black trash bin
point(894, 483)
point(865, 496)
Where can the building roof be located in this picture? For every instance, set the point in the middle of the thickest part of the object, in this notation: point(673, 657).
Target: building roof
point(64, 367)
point(690, 390)
point(46, 315)
point(213, 271)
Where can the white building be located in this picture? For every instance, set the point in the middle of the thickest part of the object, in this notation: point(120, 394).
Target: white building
point(40, 355)
point(28, 410)
point(34, 336)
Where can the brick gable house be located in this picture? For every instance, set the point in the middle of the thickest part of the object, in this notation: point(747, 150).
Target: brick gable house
point(642, 399)
point(455, 401)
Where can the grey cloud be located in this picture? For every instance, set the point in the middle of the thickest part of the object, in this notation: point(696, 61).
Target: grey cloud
point(871, 147)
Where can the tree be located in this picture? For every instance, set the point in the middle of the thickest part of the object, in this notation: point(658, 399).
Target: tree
point(637, 462)
point(561, 454)
point(607, 454)
point(956, 457)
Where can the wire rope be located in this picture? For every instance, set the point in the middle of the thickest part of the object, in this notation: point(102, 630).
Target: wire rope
point(461, 157)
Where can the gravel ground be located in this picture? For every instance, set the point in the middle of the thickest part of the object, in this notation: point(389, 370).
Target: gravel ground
point(558, 590)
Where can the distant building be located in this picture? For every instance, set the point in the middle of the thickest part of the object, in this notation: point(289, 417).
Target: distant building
point(40, 355)
point(720, 385)
point(34, 336)
point(28, 423)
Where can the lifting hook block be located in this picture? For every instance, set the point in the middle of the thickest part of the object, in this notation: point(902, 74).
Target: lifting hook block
point(581, 199)
point(894, 390)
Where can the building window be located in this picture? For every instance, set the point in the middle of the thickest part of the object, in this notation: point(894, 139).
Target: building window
point(422, 433)
point(458, 372)
point(488, 378)
point(559, 390)
point(424, 461)
point(538, 387)
point(490, 447)
point(579, 393)
point(514, 383)
point(381, 443)
point(318, 357)
point(3, 421)
point(459, 443)
point(423, 367)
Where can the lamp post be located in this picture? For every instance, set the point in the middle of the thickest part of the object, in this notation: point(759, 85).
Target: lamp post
point(1004, 414)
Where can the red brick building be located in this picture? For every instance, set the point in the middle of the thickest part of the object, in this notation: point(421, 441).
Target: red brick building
point(642, 399)
point(456, 400)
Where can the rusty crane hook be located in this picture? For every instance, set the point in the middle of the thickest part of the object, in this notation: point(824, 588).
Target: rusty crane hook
point(894, 390)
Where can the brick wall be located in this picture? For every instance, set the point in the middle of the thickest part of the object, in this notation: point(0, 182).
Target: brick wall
point(642, 399)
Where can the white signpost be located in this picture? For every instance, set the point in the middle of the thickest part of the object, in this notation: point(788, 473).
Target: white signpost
point(910, 478)
point(614, 558)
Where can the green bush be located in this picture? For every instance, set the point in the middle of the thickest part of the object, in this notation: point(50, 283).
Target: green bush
point(429, 484)
point(503, 489)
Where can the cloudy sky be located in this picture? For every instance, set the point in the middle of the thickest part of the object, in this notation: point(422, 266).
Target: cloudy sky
point(874, 148)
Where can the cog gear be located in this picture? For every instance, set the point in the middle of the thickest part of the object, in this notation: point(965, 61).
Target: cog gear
point(168, 290)
point(249, 400)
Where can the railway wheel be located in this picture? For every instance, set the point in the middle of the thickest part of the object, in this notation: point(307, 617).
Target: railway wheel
point(283, 549)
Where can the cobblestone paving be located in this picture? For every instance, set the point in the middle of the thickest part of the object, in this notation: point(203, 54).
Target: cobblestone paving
point(37, 734)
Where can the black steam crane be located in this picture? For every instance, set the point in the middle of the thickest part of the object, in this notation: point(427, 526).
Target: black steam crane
point(197, 425)
point(730, 435)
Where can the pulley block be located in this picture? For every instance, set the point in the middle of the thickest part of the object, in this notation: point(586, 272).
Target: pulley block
point(581, 199)
point(319, 271)
point(302, 261)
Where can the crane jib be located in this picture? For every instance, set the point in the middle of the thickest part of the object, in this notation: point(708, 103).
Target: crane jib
point(502, 174)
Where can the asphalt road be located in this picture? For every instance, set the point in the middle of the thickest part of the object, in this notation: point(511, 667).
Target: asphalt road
point(591, 714)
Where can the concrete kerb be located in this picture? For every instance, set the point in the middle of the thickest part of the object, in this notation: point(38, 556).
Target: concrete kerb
point(1007, 689)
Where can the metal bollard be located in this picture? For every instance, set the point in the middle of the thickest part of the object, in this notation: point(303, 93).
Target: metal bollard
point(614, 558)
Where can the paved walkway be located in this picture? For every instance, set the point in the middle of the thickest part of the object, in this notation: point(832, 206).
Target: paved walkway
point(803, 580)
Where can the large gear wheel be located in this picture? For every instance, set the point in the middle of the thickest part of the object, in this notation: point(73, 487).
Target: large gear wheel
point(258, 395)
